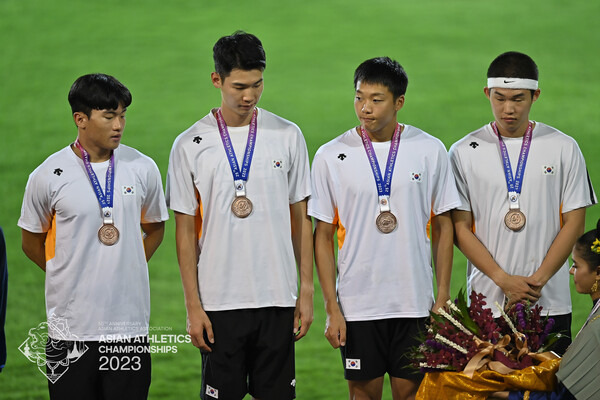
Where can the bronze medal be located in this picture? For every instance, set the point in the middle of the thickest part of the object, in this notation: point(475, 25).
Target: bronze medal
point(241, 207)
point(514, 220)
point(108, 234)
point(386, 222)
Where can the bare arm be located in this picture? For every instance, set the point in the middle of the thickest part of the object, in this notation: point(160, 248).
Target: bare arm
point(335, 327)
point(187, 244)
point(303, 250)
point(34, 247)
point(572, 229)
point(442, 241)
point(153, 236)
point(515, 287)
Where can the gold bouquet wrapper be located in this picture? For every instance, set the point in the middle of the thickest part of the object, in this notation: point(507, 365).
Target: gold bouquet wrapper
point(457, 385)
point(484, 358)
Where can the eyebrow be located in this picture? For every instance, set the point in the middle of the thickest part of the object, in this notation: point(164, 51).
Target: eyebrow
point(243, 85)
point(516, 96)
point(372, 94)
point(114, 111)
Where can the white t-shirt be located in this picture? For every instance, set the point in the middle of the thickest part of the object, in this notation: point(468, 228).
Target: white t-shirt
point(94, 290)
point(383, 275)
point(249, 262)
point(555, 182)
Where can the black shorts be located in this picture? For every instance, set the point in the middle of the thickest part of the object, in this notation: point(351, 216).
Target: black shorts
point(253, 353)
point(374, 348)
point(118, 370)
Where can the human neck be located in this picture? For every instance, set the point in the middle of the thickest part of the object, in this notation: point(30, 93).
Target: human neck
point(234, 119)
point(383, 135)
point(517, 133)
point(97, 155)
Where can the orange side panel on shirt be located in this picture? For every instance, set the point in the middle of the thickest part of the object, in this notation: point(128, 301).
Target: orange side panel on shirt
point(199, 215)
point(341, 231)
point(428, 227)
point(560, 215)
point(50, 245)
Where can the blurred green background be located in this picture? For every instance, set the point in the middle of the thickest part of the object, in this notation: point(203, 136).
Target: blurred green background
point(162, 50)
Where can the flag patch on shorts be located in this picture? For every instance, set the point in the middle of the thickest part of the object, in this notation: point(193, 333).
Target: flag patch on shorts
point(352, 363)
point(212, 392)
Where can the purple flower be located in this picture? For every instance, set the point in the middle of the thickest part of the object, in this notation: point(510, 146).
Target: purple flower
point(434, 344)
point(547, 329)
point(525, 317)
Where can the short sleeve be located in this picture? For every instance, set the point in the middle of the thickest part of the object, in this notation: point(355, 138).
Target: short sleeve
point(460, 180)
point(154, 208)
point(321, 204)
point(299, 173)
point(577, 187)
point(445, 196)
point(36, 210)
point(180, 190)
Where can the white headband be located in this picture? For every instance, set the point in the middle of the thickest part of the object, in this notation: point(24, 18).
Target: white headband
point(512, 83)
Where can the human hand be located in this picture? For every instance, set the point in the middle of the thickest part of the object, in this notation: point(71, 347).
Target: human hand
point(197, 323)
point(440, 302)
point(335, 329)
point(303, 315)
point(521, 288)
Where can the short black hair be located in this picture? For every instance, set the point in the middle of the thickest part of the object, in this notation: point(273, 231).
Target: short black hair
point(584, 246)
point(385, 71)
point(98, 92)
point(240, 50)
point(513, 64)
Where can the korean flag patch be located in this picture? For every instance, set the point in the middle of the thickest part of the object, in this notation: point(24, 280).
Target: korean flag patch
point(353, 363)
point(416, 176)
point(548, 170)
point(128, 190)
point(212, 392)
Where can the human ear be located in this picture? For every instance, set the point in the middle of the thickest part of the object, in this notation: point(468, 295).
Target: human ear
point(486, 91)
point(216, 80)
point(399, 103)
point(80, 119)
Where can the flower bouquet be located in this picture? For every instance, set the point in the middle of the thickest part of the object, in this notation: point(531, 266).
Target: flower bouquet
point(468, 354)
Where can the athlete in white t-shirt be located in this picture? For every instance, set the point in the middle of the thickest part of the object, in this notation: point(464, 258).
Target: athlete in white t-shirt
point(238, 183)
point(93, 214)
point(384, 271)
point(524, 189)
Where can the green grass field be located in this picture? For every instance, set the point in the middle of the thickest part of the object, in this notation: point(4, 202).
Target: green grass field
point(162, 51)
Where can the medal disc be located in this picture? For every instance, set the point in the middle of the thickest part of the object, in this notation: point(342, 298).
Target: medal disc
point(108, 234)
point(241, 207)
point(514, 220)
point(386, 222)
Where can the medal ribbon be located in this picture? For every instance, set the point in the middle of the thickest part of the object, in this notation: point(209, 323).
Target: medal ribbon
point(105, 199)
point(384, 184)
point(239, 177)
point(514, 183)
